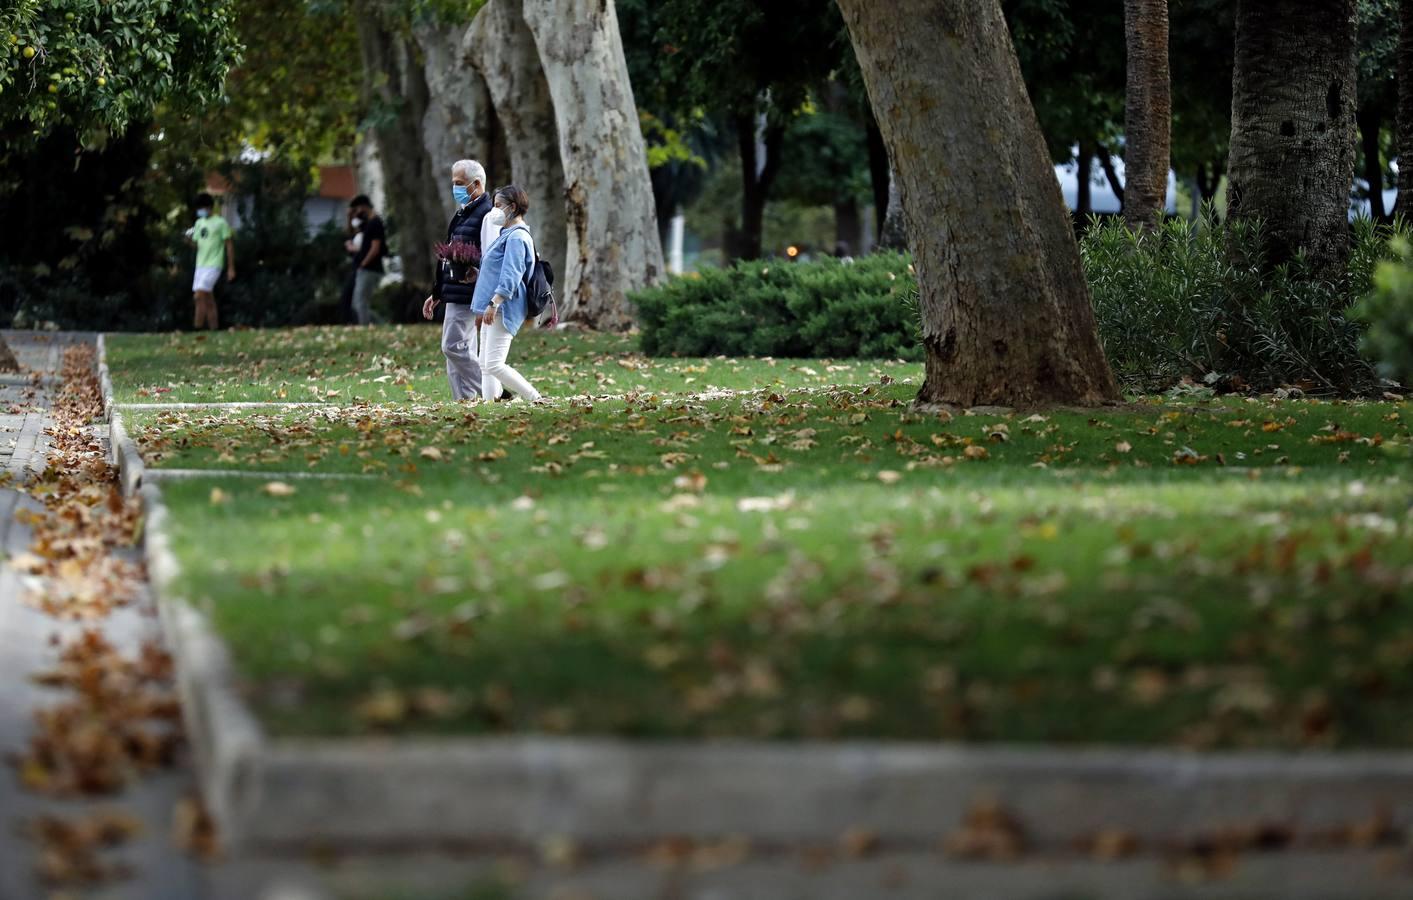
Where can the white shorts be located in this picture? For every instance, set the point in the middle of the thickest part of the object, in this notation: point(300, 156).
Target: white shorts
point(206, 278)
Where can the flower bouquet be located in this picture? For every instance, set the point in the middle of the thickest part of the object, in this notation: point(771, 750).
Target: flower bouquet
point(462, 260)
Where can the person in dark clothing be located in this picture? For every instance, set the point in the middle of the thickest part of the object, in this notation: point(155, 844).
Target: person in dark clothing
point(367, 256)
point(474, 218)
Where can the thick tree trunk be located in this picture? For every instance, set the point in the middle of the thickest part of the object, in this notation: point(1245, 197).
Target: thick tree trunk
point(457, 124)
point(757, 176)
point(394, 81)
point(894, 235)
point(1403, 135)
point(500, 45)
point(1148, 113)
point(613, 244)
point(1370, 126)
point(1007, 317)
point(1292, 129)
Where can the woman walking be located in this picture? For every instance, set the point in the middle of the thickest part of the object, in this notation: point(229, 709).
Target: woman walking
point(500, 295)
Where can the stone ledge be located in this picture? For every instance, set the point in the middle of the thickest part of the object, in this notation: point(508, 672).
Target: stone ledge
point(273, 792)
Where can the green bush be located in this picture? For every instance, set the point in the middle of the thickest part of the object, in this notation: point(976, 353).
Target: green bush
point(1173, 304)
point(829, 309)
point(1387, 310)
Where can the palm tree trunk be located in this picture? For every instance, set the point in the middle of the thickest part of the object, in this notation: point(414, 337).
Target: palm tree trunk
point(1404, 127)
point(1147, 112)
point(1370, 126)
point(1292, 130)
point(1007, 317)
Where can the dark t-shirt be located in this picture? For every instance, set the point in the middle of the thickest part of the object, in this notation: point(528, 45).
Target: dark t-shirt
point(372, 231)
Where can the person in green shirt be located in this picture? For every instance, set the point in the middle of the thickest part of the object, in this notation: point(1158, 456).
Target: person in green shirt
point(211, 235)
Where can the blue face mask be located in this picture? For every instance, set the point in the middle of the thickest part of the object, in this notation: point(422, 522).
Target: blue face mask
point(203, 213)
point(460, 194)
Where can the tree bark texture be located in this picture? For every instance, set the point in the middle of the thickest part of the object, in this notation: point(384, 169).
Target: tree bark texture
point(894, 235)
point(613, 242)
point(1403, 133)
point(396, 89)
point(1007, 317)
point(1148, 113)
point(499, 44)
point(458, 121)
point(1370, 124)
point(1292, 129)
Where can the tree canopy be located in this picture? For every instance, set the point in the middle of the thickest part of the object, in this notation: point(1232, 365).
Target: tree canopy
point(96, 67)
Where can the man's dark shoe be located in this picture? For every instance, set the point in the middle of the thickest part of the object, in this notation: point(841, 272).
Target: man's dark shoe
point(505, 394)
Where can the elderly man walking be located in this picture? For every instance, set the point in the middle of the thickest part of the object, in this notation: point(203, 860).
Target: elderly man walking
point(477, 223)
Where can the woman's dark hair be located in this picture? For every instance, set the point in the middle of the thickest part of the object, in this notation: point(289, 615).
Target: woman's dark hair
point(516, 199)
point(203, 201)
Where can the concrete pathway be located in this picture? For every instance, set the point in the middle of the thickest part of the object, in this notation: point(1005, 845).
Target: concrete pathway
point(161, 872)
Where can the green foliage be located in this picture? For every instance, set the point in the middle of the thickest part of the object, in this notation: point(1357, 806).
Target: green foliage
point(1174, 305)
point(285, 275)
point(793, 310)
point(828, 158)
point(98, 65)
point(1387, 310)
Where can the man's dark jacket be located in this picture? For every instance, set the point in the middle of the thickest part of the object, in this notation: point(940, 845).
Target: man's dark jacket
point(466, 227)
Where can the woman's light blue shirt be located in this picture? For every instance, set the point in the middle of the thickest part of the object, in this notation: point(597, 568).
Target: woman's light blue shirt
point(503, 269)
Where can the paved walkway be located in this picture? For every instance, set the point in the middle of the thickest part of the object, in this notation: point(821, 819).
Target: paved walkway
point(161, 872)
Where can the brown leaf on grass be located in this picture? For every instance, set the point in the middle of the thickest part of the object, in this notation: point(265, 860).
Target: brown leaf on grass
point(278, 489)
point(432, 453)
point(976, 453)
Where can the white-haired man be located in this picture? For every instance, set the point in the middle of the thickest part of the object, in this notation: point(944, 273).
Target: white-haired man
point(478, 223)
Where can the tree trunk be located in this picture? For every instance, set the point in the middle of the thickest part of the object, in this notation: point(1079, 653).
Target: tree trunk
point(880, 174)
point(848, 227)
point(1292, 129)
point(396, 87)
point(1370, 127)
point(1106, 162)
point(756, 178)
point(613, 244)
point(8, 362)
point(1403, 134)
point(1084, 185)
point(1148, 113)
point(501, 46)
point(894, 235)
point(457, 124)
point(1007, 317)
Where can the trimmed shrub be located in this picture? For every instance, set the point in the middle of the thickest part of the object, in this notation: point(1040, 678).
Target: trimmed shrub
point(1387, 310)
point(1172, 305)
point(828, 309)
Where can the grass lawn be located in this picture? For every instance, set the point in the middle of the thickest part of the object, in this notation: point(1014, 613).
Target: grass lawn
point(805, 561)
point(405, 364)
